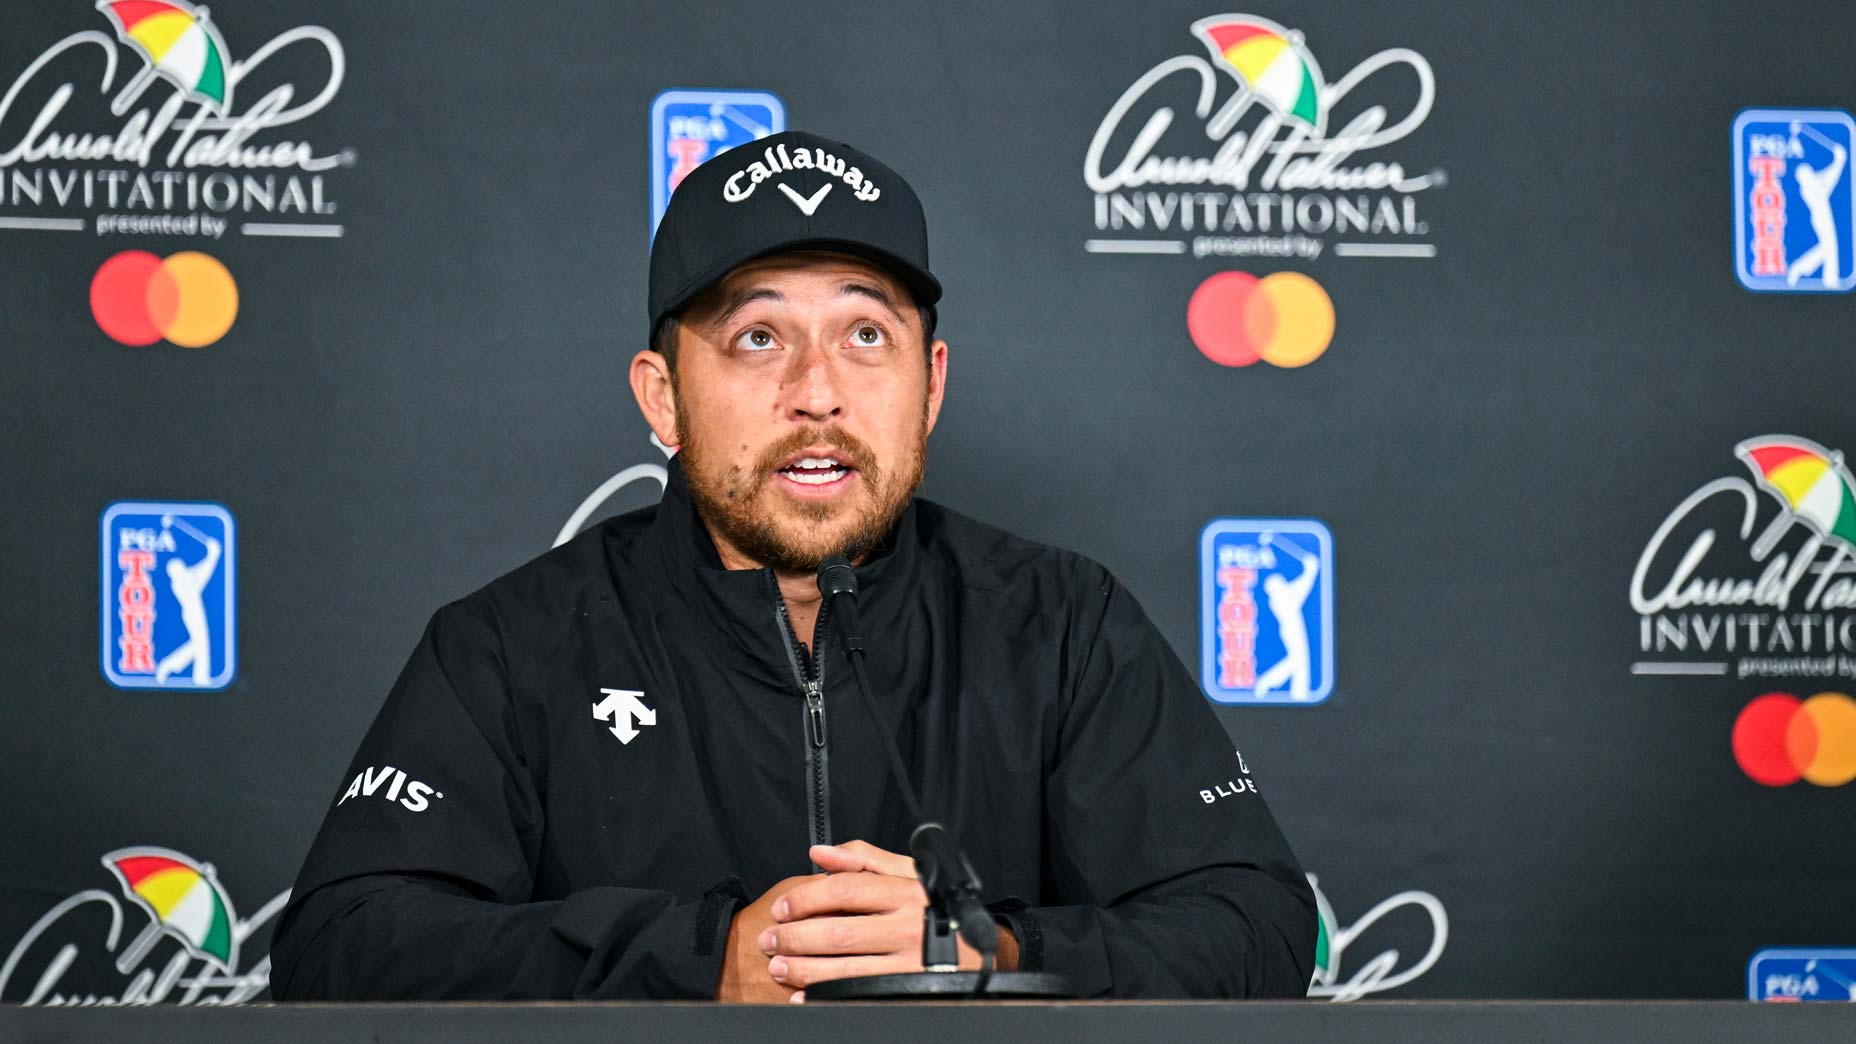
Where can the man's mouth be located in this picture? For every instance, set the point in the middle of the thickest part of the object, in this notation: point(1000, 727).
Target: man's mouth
point(816, 470)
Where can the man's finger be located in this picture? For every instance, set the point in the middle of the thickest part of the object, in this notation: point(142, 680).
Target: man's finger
point(840, 936)
point(857, 856)
point(805, 971)
point(848, 894)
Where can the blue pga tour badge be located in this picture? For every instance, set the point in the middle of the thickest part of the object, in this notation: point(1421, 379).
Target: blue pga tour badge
point(169, 596)
point(1802, 974)
point(689, 127)
point(1267, 610)
point(1794, 200)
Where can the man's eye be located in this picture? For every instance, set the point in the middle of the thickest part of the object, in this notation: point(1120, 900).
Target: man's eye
point(868, 335)
point(755, 340)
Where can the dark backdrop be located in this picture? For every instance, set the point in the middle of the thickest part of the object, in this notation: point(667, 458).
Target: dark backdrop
point(407, 409)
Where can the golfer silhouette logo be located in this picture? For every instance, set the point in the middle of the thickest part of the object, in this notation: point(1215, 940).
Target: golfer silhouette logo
point(1267, 611)
point(168, 596)
point(1794, 200)
point(187, 584)
point(1815, 187)
point(1286, 599)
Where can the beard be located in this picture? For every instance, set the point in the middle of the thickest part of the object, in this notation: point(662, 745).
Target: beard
point(743, 507)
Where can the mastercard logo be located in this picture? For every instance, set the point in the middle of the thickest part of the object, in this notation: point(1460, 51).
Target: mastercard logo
point(1285, 319)
point(1780, 739)
point(188, 298)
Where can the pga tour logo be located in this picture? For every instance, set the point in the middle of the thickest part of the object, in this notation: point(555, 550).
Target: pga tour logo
point(689, 127)
point(1795, 974)
point(169, 596)
point(1794, 200)
point(1267, 610)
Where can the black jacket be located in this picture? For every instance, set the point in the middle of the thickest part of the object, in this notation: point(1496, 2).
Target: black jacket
point(495, 839)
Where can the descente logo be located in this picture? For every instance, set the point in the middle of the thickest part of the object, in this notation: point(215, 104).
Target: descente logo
point(368, 782)
point(780, 161)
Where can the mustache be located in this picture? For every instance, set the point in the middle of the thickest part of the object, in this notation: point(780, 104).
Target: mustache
point(847, 448)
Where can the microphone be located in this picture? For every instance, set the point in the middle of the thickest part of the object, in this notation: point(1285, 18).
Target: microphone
point(952, 886)
point(835, 578)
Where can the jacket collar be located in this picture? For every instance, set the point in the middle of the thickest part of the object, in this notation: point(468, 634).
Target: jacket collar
point(743, 603)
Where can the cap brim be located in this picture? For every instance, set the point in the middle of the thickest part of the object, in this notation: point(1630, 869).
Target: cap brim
point(925, 288)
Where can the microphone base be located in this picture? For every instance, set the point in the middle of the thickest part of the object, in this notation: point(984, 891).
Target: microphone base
point(943, 986)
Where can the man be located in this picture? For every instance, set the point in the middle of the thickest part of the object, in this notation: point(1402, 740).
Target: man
point(643, 772)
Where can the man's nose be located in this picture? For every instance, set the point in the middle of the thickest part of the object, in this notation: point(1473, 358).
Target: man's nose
point(813, 389)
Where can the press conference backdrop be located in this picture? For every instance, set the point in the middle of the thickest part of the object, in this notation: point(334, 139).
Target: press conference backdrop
point(1462, 391)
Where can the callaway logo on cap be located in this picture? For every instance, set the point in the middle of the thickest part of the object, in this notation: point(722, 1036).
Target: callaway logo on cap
point(783, 192)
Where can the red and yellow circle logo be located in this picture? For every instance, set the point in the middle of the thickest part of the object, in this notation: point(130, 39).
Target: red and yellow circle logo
point(1285, 319)
point(188, 298)
point(1780, 739)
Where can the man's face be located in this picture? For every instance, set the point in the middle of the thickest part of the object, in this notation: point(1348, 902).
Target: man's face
point(804, 397)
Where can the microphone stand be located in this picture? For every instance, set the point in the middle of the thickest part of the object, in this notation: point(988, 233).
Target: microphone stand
point(954, 910)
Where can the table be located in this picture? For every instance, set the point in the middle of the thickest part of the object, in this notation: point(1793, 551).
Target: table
point(1162, 1022)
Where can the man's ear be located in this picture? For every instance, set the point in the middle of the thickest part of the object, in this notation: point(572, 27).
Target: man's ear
point(657, 398)
point(937, 379)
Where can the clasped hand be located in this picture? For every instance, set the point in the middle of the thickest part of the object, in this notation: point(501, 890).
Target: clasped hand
point(863, 916)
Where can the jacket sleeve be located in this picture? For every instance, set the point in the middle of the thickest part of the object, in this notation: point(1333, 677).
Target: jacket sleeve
point(419, 885)
point(1173, 877)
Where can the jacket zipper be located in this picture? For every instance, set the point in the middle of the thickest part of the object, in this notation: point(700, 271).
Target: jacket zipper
point(809, 674)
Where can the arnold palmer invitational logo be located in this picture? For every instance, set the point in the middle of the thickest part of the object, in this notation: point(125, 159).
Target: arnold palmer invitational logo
point(646, 472)
point(149, 124)
point(1273, 161)
point(1338, 979)
point(1751, 574)
point(166, 933)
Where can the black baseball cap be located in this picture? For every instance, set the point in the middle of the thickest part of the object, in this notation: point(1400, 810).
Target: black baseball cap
point(783, 192)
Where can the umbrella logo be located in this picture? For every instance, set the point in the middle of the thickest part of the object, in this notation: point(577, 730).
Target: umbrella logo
point(179, 43)
point(182, 898)
point(1271, 65)
point(81, 938)
point(1812, 483)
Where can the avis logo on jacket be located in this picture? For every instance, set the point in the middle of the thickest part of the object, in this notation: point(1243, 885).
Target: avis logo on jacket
point(368, 782)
